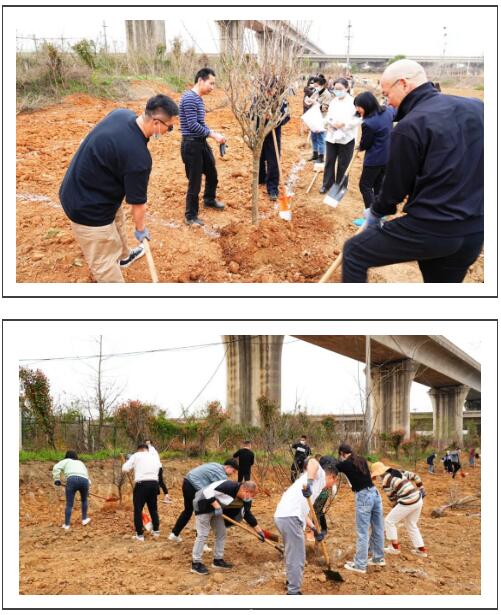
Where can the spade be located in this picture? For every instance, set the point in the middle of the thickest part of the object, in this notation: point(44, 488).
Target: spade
point(337, 191)
point(330, 575)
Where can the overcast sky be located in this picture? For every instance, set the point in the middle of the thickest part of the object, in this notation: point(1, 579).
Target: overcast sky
point(392, 30)
point(321, 381)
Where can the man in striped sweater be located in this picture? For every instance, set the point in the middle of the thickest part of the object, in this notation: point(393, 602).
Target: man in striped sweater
point(406, 492)
point(196, 153)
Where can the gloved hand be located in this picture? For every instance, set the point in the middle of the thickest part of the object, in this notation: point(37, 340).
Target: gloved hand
point(141, 235)
point(218, 512)
point(319, 536)
point(307, 489)
point(423, 492)
point(371, 219)
point(58, 483)
point(261, 535)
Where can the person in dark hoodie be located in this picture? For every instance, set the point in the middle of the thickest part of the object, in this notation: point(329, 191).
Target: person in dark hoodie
point(375, 141)
point(208, 505)
point(436, 161)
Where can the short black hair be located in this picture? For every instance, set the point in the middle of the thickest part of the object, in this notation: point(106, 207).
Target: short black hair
point(233, 463)
point(163, 103)
point(142, 447)
point(368, 102)
point(247, 441)
point(70, 455)
point(303, 436)
point(320, 79)
point(342, 81)
point(204, 73)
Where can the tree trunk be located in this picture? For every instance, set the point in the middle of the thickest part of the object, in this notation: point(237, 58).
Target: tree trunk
point(256, 155)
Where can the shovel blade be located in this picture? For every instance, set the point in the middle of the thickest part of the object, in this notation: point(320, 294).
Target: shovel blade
point(336, 193)
point(333, 575)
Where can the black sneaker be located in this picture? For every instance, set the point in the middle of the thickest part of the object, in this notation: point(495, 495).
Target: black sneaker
point(199, 568)
point(220, 563)
point(134, 255)
point(323, 190)
point(194, 221)
point(294, 593)
point(215, 204)
point(273, 196)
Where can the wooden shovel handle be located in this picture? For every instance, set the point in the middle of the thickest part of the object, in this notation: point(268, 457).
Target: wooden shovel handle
point(247, 529)
point(328, 274)
point(317, 527)
point(149, 260)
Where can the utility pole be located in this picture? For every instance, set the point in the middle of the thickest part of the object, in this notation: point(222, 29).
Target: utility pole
point(368, 385)
point(444, 46)
point(105, 39)
point(348, 37)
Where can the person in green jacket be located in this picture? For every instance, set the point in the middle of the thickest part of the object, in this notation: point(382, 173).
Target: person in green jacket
point(77, 479)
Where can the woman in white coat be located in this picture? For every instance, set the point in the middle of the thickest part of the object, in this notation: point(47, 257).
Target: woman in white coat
point(342, 124)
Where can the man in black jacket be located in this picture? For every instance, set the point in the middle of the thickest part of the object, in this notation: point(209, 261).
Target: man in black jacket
point(437, 162)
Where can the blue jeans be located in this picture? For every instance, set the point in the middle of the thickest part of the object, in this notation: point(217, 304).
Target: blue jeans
point(431, 468)
point(74, 484)
point(318, 142)
point(369, 514)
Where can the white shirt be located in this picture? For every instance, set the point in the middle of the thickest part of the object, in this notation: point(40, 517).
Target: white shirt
point(145, 466)
point(153, 451)
point(342, 111)
point(293, 503)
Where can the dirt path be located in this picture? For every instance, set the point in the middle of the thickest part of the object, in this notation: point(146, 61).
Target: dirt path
point(102, 558)
point(227, 249)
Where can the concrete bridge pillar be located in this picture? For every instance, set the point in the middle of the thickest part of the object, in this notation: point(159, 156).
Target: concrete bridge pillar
point(231, 36)
point(448, 403)
point(254, 369)
point(390, 396)
point(144, 36)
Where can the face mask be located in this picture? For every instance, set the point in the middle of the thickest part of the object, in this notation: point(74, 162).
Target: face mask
point(156, 136)
point(246, 499)
point(339, 93)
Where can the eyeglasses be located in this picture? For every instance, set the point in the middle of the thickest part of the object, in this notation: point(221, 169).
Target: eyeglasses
point(391, 87)
point(169, 127)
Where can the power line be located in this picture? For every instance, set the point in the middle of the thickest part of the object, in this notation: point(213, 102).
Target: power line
point(141, 352)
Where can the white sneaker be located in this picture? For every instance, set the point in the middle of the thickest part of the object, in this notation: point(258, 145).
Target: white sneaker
point(391, 549)
point(207, 549)
point(351, 566)
point(137, 537)
point(419, 553)
point(175, 538)
point(65, 527)
point(86, 521)
point(155, 533)
point(167, 499)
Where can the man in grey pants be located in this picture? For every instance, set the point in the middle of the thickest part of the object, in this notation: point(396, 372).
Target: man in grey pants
point(291, 519)
point(208, 505)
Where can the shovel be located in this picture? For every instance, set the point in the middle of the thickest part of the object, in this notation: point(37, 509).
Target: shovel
point(328, 274)
point(330, 575)
point(149, 260)
point(247, 529)
point(110, 498)
point(337, 191)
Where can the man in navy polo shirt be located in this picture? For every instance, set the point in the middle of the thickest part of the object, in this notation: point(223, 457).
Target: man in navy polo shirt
point(437, 161)
point(195, 151)
point(112, 164)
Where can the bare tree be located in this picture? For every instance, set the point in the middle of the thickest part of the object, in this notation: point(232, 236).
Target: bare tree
point(257, 85)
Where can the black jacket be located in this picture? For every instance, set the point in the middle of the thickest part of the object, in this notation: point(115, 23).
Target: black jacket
point(437, 159)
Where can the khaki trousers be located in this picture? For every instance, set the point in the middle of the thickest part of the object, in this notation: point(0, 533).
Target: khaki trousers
point(103, 246)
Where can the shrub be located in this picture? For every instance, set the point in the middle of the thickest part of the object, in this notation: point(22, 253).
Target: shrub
point(86, 51)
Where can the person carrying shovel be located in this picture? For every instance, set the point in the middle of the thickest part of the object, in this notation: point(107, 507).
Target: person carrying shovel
point(292, 517)
point(77, 479)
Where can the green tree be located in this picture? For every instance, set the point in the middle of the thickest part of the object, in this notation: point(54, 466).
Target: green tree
point(36, 401)
point(395, 59)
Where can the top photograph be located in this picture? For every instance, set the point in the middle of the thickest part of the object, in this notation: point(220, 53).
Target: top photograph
point(192, 153)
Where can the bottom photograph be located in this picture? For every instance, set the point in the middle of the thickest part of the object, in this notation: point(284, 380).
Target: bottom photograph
point(157, 458)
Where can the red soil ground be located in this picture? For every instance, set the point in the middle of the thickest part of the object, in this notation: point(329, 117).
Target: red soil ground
point(53, 561)
point(228, 249)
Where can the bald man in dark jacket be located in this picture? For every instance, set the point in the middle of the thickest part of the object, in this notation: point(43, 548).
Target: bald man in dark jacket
point(436, 161)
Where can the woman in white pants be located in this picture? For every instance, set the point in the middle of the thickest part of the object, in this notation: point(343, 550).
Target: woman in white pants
point(406, 492)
